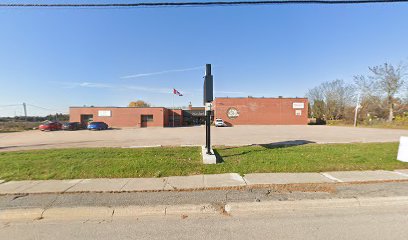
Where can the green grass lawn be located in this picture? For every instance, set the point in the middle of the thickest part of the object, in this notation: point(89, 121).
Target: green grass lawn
point(177, 161)
point(309, 158)
point(393, 125)
point(99, 163)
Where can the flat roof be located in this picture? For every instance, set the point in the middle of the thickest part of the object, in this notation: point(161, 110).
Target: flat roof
point(111, 107)
point(263, 97)
point(126, 107)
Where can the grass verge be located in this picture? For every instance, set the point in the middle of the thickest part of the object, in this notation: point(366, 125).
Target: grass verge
point(181, 161)
point(309, 158)
point(386, 125)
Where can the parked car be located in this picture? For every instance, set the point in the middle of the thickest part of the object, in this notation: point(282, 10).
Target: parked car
point(50, 126)
point(72, 126)
point(220, 123)
point(97, 126)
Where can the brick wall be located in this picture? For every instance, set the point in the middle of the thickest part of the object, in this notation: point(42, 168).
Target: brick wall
point(262, 111)
point(120, 117)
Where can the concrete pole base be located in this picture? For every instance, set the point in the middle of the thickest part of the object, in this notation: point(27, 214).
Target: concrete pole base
point(208, 158)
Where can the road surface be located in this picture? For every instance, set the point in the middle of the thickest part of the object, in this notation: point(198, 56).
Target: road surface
point(389, 222)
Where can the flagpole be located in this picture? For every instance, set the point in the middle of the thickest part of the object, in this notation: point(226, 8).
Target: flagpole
point(173, 107)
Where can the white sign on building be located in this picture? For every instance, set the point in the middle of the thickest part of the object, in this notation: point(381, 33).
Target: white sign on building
point(403, 150)
point(298, 105)
point(104, 113)
point(232, 113)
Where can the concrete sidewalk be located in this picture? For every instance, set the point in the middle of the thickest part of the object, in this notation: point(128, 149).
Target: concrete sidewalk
point(197, 182)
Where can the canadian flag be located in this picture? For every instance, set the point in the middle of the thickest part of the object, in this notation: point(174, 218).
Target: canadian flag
point(177, 92)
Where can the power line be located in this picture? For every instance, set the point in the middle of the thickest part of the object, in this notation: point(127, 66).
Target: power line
point(10, 105)
point(195, 4)
point(48, 109)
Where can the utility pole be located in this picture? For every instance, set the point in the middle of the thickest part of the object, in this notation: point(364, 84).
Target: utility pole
point(25, 110)
point(208, 98)
point(356, 110)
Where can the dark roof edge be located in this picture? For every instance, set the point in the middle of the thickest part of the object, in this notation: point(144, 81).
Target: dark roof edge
point(263, 97)
point(113, 107)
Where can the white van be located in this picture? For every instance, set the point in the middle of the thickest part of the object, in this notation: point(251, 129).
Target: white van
point(219, 123)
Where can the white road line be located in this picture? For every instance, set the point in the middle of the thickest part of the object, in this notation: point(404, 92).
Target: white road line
point(400, 173)
point(331, 177)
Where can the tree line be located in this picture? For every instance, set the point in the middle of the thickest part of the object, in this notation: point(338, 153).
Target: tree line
point(381, 95)
point(51, 117)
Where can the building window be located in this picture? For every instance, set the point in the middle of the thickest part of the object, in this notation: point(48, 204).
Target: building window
point(298, 112)
point(147, 118)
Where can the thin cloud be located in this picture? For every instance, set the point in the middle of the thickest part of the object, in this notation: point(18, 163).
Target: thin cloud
point(83, 84)
point(94, 85)
point(161, 72)
point(228, 92)
point(120, 87)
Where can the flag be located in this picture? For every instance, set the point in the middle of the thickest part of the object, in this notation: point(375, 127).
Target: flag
point(177, 92)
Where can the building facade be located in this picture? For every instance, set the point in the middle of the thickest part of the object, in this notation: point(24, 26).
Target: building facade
point(120, 116)
point(262, 111)
point(234, 111)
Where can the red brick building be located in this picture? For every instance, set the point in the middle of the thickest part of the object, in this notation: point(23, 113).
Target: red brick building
point(127, 116)
point(262, 111)
point(234, 111)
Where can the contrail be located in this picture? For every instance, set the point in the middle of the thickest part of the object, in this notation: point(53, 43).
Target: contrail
point(162, 72)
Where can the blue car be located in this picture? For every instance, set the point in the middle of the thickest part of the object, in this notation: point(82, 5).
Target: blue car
point(97, 126)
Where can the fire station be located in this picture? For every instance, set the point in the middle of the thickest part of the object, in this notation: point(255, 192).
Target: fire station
point(233, 111)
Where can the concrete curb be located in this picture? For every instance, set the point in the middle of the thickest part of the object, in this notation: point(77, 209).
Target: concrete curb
point(315, 204)
point(112, 213)
point(290, 205)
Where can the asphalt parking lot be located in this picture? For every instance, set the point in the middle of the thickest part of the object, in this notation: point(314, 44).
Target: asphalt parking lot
point(238, 135)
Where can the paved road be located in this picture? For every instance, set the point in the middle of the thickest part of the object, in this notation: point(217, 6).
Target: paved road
point(384, 220)
point(388, 222)
point(238, 135)
point(216, 197)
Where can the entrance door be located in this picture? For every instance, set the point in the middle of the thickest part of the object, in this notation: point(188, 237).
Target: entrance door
point(86, 118)
point(146, 120)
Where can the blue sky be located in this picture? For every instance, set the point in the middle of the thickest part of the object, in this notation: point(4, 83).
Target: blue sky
point(56, 58)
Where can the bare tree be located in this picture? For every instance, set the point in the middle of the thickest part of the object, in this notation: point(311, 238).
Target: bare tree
point(389, 80)
point(338, 95)
point(365, 87)
point(332, 97)
point(405, 96)
point(315, 97)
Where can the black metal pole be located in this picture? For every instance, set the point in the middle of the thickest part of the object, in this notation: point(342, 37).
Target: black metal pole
point(208, 98)
point(208, 131)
